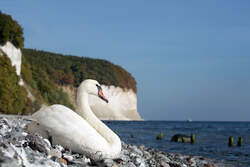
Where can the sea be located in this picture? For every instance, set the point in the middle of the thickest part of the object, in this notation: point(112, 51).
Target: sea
point(211, 138)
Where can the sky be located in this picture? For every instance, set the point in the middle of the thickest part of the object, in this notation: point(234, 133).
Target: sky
point(191, 59)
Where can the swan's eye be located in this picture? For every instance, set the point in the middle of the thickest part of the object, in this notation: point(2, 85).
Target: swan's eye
point(98, 87)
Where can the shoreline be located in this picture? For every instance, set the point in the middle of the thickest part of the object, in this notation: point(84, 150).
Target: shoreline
point(19, 148)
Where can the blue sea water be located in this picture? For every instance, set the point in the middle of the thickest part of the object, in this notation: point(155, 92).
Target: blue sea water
point(211, 137)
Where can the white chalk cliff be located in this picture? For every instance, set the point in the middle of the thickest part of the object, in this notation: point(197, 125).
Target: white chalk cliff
point(122, 104)
point(15, 56)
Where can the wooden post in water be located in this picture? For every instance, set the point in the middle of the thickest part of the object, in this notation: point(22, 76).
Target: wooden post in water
point(159, 136)
point(240, 141)
point(183, 140)
point(192, 139)
point(231, 141)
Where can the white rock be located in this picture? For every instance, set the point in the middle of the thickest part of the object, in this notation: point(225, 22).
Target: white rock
point(142, 164)
point(48, 143)
point(9, 152)
point(24, 133)
point(164, 164)
point(108, 162)
point(130, 164)
point(68, 157)
point(59, 147)
point(132, 155)
point(55, 153)
point(86, 160)
point(14, 55)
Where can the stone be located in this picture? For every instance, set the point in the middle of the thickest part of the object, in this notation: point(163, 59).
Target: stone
point(124, 145)
point(174, 164)
point(141, 147)
point(138, 161)
point(48, 143)
point(164, 164)
point(124, 158)
point(24, 133)
point(55, 153)
point(132, 155)
point(130, 164)
point(37, 143)
point(59, 147)
point(63, 161)
point(68, 157)
point(163, 158)
point(108, 162)
point(181, 138)
point(86, 160)
point(147, 155)
point(135, 149)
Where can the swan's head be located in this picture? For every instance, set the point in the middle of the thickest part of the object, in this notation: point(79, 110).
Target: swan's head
point(94, 88)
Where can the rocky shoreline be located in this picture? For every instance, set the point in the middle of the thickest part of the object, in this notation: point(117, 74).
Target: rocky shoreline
point(19, 148)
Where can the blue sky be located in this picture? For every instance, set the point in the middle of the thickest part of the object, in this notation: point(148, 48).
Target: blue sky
point(191, 59)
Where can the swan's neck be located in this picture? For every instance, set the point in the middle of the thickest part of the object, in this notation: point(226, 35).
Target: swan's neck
point(84, 110)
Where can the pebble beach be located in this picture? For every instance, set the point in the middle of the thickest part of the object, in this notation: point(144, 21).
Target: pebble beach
point(19, 148)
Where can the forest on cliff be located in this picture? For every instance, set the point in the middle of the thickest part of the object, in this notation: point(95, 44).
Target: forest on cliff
point(44, 74)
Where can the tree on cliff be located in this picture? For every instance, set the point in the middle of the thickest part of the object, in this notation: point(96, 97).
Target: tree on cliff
point(72, 70)
point(10, 30)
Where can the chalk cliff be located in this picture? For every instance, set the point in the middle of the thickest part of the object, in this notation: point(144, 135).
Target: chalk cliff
point(15, 55)
point(122, 104)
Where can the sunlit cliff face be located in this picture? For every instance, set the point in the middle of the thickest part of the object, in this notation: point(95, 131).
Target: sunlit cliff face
point(122, 104)
point(14, 55)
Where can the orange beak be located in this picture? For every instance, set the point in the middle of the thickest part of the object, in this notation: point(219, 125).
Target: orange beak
point(100, 94)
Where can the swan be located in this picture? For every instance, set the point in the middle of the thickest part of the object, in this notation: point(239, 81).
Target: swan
point(80, 131)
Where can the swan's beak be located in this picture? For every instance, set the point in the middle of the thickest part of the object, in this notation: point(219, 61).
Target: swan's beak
point(100, 94)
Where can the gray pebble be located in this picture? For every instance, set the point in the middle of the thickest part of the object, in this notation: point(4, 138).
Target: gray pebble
point(55, 153)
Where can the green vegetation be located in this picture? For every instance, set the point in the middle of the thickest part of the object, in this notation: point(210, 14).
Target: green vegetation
point(41, 85)
point(10, 31)
point(72, 70)
point(46, 72)
point(13, 98)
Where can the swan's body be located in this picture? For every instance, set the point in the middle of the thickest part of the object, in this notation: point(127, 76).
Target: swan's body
point(81, 132)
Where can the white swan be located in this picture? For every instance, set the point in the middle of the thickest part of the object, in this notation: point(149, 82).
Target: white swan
point(82, 132)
